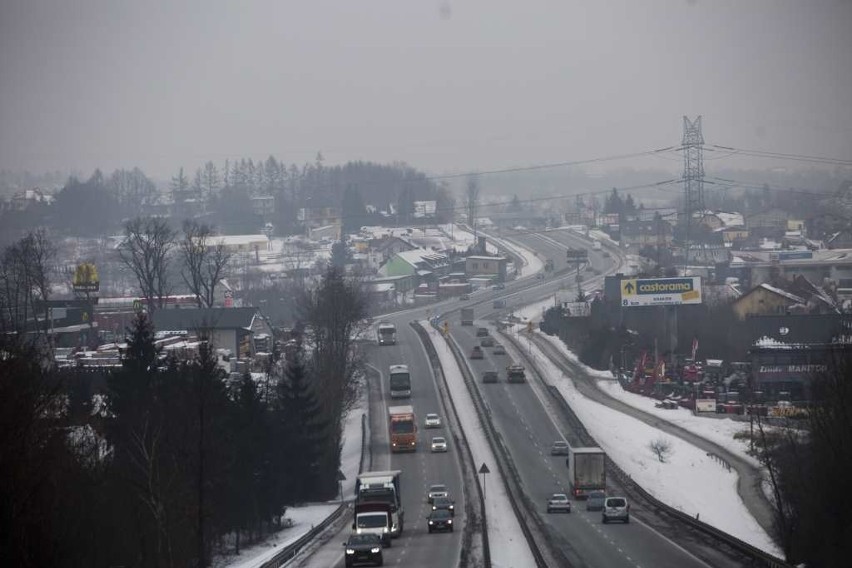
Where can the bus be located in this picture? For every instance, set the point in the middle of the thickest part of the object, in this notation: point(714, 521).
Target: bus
point(386, 333)
point(400, 381)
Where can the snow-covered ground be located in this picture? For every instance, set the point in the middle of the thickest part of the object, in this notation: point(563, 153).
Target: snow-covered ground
point(462, 238)
point(688, 480)
point(306, 517)
point(508, 546)
point(532, 263)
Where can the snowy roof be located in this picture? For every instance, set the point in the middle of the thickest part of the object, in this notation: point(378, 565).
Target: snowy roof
point(784, 293)
point(238, 240)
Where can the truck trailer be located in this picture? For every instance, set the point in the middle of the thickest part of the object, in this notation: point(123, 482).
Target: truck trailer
point(586, 471)
point(402, 425)
point(467, 316)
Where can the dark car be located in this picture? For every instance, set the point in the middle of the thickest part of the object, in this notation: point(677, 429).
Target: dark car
point(595, 501)
point(363, 548)
point(490, 377)
point(476, 353)
point(499, 286)
point(499, 349)
point(482, 332)
point(444, 504)
point(440, 520)
point(487, 341)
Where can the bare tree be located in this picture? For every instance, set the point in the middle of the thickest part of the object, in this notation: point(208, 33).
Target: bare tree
point(472, 198)
point(25, 282)
point(204, 261)
point(662, 448)
point(146, 249)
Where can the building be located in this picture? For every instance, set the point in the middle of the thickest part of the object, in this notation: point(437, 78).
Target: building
point(640, 234)
point(770, 223)
point(234, 329)
point(785, 371)
point(427, 265)
point(817, 266)
point(784, 297)
point(389, 245)
point(243, 243)
point(486, 267)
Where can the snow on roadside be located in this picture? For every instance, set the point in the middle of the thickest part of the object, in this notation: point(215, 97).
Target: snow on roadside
point(307, 516)
point(304, 519)
point(717, 430)
point(532, 263)
point(508, 546)
point(689, 480)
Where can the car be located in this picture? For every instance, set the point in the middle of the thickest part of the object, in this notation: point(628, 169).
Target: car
point(616, 509)
point(439, 444)
point(440, 520)
point(363, 548)
point(558, 502)
point(606, 254)
point(559, 448)
point(444, 503)
point(499, 349)
point(437, 490)
point(487, 341)
point(539, 276)
point(482, 332)
point(499, 286)
point(490, 377)
point(476, 353)
point(595, 501)
point(433, 420)
point(464, 297)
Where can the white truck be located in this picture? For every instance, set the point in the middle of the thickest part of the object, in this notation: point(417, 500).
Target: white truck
point(386, 334)
point(381, 487)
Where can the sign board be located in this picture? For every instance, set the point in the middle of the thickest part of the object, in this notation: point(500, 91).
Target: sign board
point(86, 278)
point(791, 255)
point(705, 405)
point(577, 255)
point(576, 309)
point(484, 468)
point(660, 291)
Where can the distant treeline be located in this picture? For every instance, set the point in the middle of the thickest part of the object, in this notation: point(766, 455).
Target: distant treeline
point(97, 206)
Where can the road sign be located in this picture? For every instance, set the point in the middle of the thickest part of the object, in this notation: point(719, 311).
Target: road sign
point(446, 328)
point(340, 476)
point(484, 468)
point(660, 291)
point(529, 330)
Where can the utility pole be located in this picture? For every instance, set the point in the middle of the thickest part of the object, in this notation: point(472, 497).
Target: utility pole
point(693, 182)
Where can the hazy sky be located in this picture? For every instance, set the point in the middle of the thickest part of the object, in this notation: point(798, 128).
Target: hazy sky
point(453, 85)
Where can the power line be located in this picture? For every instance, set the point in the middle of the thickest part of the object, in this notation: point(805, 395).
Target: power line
point(780, 155)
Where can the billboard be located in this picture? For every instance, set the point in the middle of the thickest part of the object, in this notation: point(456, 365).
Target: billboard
point(86, 278)
point(576, 309)
point(660, 291)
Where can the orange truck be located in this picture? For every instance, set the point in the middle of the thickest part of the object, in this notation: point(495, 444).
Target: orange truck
point(402, 425)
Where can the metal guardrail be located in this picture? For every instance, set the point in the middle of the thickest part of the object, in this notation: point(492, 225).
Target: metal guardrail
point(435, 361)
point(756, 556)
point(291, 550)
point(511, 478)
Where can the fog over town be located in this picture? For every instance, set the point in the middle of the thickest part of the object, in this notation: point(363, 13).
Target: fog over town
point(437, 283)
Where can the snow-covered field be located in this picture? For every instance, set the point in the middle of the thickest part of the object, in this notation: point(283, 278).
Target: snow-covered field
point(508, 547)
point(688, 480)
point(307, 516)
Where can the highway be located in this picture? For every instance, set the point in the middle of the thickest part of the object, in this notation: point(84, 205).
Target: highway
point(415, 547)
point(521, 416)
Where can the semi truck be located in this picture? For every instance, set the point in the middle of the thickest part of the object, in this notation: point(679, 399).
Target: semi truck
point(400, 381)
point(386, 334)
point(586, 471)
point(467, 316)
point(382, 487)
point(402, 425)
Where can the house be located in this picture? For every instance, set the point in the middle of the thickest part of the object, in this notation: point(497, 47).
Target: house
point(389, 245)
point(486, 266)
point(784, 297)
point(427, 265)
point(22, 200)
point(233, 329)
point(242, 243)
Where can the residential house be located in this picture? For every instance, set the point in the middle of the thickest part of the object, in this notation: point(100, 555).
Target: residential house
point(427, 265)
point(486, 266)
point(770, 223)
point(784, 297)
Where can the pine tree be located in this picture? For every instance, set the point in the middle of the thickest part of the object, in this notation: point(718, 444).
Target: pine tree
point(301, 429)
